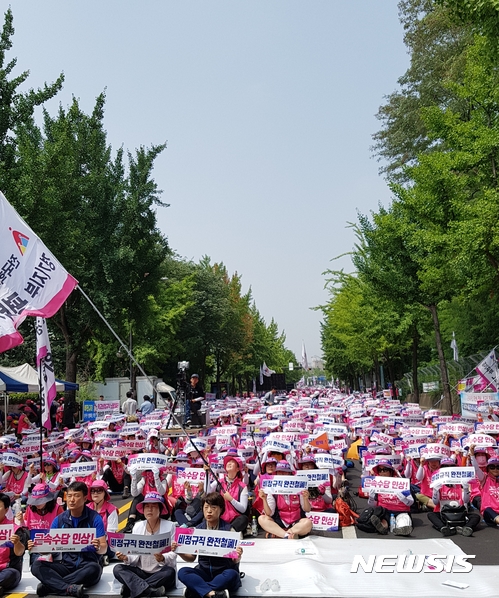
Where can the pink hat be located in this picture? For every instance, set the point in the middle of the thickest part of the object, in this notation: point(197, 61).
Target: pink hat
point(284, 466)
point(100, 484)
point(235, 458)
point(153, 497)
point(383, 463)
point(40, 495)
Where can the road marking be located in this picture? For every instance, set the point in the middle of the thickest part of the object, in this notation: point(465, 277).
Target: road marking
point(124, 508)
point(349, 532)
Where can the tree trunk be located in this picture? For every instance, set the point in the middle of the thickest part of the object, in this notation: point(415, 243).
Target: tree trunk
point(415, 382)
point(447, 402)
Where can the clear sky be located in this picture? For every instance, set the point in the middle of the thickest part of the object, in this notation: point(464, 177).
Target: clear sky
point(268, 107)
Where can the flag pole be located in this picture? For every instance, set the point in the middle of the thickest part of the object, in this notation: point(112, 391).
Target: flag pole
point(41, 399)
point(180, 425)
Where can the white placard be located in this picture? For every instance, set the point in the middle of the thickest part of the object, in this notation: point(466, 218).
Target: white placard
point(385, 485)
point(62, 540)
point(453, 475)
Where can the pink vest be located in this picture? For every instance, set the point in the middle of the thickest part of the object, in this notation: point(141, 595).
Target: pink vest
point(392, 503)
point(235, 491)
point(318, 504)
point(106, 510)
point(14, 485)
point(34, 520)
point(425, 482)
point(490, 494)
point(289, 508)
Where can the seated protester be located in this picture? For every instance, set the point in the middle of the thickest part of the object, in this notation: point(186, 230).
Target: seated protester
point(397, 504)
point(11, 552)
point(144, 482)
point(213, 575)
point(318, 498)
point(148, 574)
point(450, 515)
point(76, 570)
point(50, 474)
point(284, 514)
point(427, 467)
point(489, 483)
point(153, 443)
point(15, 482)
point(189, 511)
point(41, 511)
point(480, 456)
point(235, 493)
point(101, 503)
point(268, 468)
point(115, 475)
point(176, 498)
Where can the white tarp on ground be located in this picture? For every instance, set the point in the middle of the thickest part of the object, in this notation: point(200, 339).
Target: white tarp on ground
point(324, 570)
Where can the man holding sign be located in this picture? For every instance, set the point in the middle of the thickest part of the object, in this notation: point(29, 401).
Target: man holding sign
point(69, 576)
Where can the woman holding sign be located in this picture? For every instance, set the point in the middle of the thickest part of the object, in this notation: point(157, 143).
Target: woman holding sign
point(214, 576)
point(148, 574)
point(11, 551)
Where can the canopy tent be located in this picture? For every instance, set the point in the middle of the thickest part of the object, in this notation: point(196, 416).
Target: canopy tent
point(24, 378)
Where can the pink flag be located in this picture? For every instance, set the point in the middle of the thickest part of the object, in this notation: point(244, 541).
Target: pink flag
point(32, 281)
point(46, 371)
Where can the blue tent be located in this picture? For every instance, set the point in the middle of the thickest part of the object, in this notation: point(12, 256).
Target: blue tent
point(24, 378)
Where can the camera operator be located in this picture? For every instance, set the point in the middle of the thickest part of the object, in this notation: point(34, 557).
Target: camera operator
point(194, 396)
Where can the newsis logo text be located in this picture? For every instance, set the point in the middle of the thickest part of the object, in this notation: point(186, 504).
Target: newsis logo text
point(412, 563)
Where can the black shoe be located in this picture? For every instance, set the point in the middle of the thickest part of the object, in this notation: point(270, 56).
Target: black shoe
point(125, 592)
point(221, 594)
point(155, 592)
point(448, 531)
point(380, 528)
point(129, 526)
point(42, 590)
point(188, 593)
point(76, 590)
point(126, 493)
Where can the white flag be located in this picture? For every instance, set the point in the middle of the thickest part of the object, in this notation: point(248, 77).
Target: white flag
point(487, 369)
point(261, 376)
point(266, 371)
point(453, 346)
point(46, 371)
point(32, 281)
point(304, 360)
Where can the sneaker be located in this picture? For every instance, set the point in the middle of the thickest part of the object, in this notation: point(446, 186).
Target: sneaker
point(42, 590)
point(448, 531)
point(405, 530)
point(221, 594)
point(464, 531)
point(105, 560)
point(126, 492)
point(380, 528)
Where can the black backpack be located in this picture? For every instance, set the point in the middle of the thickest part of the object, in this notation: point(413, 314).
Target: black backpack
point(453, 516)
point(364, 519)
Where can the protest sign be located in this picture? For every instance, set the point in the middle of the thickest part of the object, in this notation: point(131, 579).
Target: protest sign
point(447, 476)
point(283, 484)
point(135, 544)
point(78, 470)
point(324, 522)
point(384, 485)
point(207, 542)
point(62, 540)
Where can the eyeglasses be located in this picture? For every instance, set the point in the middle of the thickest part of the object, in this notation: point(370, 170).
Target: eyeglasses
point(383, 470)
point(493, 466)
point(96, 490)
